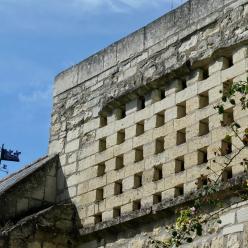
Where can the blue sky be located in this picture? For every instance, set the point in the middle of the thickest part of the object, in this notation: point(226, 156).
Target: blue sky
point(40, 38)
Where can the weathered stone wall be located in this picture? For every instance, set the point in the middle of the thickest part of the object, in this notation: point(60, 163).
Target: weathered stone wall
point(31, 194)
point(50, 228)
point(232, 232)
point(135, 125)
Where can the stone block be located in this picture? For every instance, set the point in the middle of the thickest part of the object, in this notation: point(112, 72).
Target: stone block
point(97, 182)
point(130, 182)
point(133, 106)
point(242, 215)
point(233, 229)
point(168, 194)
point(186, 94)
point(240, 54)
point(218, 65)
point(123, 148)
point(56, 146)
point(190, 187)
point(72, 134)
point(111, 189)
point(131, 169)
point(72, 146)
point(149, 149)
point(127, 208)
point(227, 219)
point(147, 201)
point(149, 175)
point(192, 104)
point(199, 142)
point(129, 157)
point(192, 131)
point(143, 139)
point(196, 76)
point(86, 163)
point(131, 132)
point(168, 168)
point(173, 87)
point(150, 123)
point(210, 82)
point(89, 221)
point(215, 94)
point(170, 140)
point(113, 201)
point(83, 188)
point(143, 114)
point(111, 140)
point(108, 215)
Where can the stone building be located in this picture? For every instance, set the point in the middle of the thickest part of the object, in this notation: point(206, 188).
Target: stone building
point(133, 128)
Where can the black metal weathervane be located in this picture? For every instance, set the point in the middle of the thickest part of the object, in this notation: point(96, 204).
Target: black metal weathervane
point(8, 155)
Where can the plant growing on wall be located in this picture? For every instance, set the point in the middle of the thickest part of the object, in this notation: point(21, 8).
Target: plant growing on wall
point(190, 221)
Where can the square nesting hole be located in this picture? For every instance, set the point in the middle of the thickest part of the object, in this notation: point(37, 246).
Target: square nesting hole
point(121, 114)
point(204, 127)
point(120, 137)
point(227, 174)
point(228, 118)
point(103, 121)
point(98, 218)
point(179, 164)
point(181, 110)
point(184, 84)
point(137, 180)
point(140, 128)
point(159, 145)
point(202, 156)
point(138, 154)
point(137, 205)
point(203, 100)
point(159, 119)
point(226, 147)
point(102, 145)
point(99, 194)
point(181, 136)
point(101, 169)
point(116, 212)
point(119, 164)
point(157, 198)
point(118, 188)
point(179, 190)
point(158, 173)
point(141, 103)
point(227, 87)
point(202, 181)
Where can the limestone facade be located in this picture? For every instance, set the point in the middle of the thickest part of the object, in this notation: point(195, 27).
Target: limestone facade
point(135, 129)
point(135, 124)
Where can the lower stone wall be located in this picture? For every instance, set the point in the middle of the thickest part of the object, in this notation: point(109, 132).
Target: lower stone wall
point(55, 228)
point(232, 232)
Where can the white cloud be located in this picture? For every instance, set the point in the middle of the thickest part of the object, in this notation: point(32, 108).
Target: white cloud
point(89, 5)
point(36, 96)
